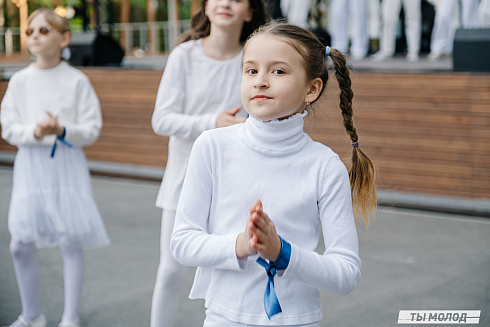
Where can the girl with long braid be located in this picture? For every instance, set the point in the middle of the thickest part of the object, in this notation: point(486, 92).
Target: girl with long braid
point(256, 194)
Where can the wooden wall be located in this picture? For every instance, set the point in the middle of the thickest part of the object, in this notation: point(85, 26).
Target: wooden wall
point(427, 133)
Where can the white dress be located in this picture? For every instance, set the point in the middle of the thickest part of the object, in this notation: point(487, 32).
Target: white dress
point(52, 198)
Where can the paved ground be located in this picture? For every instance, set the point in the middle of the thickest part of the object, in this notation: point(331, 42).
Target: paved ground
point(412, 260)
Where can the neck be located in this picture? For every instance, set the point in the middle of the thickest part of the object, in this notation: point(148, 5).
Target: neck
point(47, 63)
point(222, 44)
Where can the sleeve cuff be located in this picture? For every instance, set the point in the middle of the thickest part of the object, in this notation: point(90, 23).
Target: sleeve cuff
point(282, 261)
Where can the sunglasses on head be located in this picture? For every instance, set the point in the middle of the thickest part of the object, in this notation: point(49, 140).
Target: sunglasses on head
point(42, 30)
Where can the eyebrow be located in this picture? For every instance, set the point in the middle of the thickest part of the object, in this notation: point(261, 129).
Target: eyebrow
point(275, 62)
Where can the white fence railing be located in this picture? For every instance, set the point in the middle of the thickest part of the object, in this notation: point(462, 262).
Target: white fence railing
point(151, 37)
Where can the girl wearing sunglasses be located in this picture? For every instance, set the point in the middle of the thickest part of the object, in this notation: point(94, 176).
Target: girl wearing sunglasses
point(50, 111)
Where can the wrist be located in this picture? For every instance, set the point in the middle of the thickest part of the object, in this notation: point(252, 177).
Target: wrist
point(60, 131)
point(284, 256)
point(241, 247)
point(37, 133)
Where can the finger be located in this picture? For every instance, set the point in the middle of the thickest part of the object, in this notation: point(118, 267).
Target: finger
point(49, 114)
point(258, 205)
point(259, 222)
point(254, 243)
point(236, 110)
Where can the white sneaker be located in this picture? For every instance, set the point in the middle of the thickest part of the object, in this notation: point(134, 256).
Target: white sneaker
point(38, 322)
point(412, 57)
point(380, 56)
point(357, 57)
point(437, 56)
point(434, 56)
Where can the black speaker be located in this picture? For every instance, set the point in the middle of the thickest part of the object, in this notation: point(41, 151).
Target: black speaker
point(95, 49)
point(471, 50)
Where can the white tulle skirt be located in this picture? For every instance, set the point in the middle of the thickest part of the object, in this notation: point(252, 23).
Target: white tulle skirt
point(52, 199)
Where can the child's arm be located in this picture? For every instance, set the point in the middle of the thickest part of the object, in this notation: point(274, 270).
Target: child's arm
point(14, 129)
point(86, 128)
point(191, 243)
point(338, 268)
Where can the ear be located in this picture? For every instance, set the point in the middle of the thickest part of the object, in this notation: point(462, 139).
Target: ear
point(315, 88)
point(65, 40)
point(250, 15)
point(205, 11)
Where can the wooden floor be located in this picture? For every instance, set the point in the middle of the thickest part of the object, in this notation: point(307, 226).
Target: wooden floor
point(426, 132)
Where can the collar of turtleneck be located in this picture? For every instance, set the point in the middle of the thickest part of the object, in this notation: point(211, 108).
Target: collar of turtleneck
point(276, 137)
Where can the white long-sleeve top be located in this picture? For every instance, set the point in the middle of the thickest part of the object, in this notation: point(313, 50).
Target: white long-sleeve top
point(194, 89)
point(63, 91)
point(303, 185)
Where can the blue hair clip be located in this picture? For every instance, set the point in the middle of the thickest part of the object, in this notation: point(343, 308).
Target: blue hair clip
point(327, 51)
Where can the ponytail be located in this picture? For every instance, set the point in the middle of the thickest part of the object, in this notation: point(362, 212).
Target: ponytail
point(362, 173)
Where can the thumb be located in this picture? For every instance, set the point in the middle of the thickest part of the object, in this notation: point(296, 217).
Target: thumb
point(235, 110)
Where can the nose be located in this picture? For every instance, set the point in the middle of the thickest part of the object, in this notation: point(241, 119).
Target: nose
point(225, 3)
point(261, 83)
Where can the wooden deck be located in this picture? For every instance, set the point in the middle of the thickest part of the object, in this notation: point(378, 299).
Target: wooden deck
point(426, 132)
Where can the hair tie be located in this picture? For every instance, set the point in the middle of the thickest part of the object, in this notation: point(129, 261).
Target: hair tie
point(355, 144)
point(327, 51)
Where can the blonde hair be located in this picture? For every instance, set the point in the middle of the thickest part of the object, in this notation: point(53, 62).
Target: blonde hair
point(59, 23)
point(362, 173)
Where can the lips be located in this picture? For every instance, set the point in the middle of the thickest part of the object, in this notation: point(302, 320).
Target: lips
point(224, 14)
point(261, 98)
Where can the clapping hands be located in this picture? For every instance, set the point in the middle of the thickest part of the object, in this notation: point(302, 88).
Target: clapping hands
point(48, 126)
point(260, 236)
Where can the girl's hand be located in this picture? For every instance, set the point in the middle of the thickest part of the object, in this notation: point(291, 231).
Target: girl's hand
point(227, 117)
point(244, 240)
point(48, 126)
point(264, 238)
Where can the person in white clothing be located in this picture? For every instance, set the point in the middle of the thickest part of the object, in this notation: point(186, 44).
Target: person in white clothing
point(442, 38)
point(484, 13)
point(390, 12)
point(50, 111)
point(199, 90)
point(340, 12)
point(296, 11)
point(256, 194)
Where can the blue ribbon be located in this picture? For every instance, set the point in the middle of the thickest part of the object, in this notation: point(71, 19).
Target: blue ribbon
point(62, 140)
point(271, 303)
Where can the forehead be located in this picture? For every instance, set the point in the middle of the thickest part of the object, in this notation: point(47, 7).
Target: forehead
point(265, 47)
point(39, 20)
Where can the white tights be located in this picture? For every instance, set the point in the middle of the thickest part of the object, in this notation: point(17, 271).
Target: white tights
point(169, 278)
point(27, 273)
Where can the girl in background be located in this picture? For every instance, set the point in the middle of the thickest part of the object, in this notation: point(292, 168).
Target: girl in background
point(255, 195)
point(50, 111)
point(200, 90)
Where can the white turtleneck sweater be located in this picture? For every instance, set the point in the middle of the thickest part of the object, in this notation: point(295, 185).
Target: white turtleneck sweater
point(303, 185)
